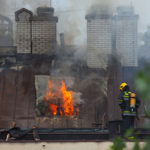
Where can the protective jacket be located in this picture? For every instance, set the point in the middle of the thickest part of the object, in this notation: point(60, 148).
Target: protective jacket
point(129, 103)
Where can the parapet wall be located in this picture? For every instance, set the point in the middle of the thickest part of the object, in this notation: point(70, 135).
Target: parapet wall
point(62, 146)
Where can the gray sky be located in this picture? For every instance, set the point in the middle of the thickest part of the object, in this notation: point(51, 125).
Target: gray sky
point(72, 13)
point(142, 7)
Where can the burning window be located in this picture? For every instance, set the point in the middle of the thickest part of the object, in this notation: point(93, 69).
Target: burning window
point(57, 99)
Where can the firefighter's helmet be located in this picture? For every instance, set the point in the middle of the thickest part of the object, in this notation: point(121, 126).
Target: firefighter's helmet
point(123, 85)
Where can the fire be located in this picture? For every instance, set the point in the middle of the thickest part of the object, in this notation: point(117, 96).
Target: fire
point(53, 109)
point(60, 99)
point(50, 93)
point(67, 100)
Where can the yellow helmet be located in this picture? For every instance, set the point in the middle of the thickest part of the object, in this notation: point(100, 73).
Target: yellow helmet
point(122, 86)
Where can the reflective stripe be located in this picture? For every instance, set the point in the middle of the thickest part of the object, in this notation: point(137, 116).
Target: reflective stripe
point(126, 93)
point(133, 112)
point(126, 111)
point(125, 96)
point(130, 137)
point(120, 100)
point(128, 114)
point(126, 99)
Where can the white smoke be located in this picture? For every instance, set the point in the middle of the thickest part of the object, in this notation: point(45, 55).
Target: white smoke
point(72, 13)
point(27, 6)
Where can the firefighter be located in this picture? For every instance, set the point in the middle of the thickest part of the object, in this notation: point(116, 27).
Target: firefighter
point(129, 104)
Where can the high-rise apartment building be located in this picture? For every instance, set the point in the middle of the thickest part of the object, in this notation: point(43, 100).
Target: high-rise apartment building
point(125, 22)
point(107, 34)
point(99, 40)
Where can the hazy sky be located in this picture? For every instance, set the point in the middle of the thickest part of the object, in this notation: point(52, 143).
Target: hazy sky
point(72, 13)
point(142, 7)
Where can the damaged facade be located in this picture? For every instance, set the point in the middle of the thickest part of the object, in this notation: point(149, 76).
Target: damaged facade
point(20, 64)
point(114, 35)
point(36, 60)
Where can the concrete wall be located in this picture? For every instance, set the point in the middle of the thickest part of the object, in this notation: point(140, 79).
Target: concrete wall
point(99, 41)
point(62, 146)
point(126, 39)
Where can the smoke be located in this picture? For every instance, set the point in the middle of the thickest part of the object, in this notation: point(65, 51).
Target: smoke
point(3, 6)
point(32, 5)
point(72, 32)
point(72, 17)
point(71, 20)
point(2, 3)
point(75, 11)
point(72, 13)
point(101, 10)
point(27, 6)
point(8, 7)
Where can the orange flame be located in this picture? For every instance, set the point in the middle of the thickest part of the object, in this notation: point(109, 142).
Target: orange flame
point(67, 100)
point(61, 98)
point(49, 93)
point(53, 109)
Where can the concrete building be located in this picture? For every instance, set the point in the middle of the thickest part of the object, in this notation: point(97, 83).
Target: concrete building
point(36, 34)
point(99, 40)
point(106, 34)
point(125, 22)
point(6, 31)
